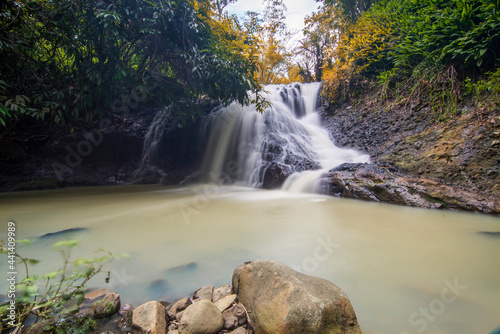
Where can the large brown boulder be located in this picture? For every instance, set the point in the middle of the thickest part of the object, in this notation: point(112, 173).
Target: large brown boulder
point(281, 300)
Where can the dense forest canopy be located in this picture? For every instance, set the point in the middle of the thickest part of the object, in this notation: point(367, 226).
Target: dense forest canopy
point(437, 51)
point(75, 59)
point(72, 61)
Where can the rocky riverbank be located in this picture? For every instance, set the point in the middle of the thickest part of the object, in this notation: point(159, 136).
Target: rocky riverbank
point(453, 164)
point(265, 297)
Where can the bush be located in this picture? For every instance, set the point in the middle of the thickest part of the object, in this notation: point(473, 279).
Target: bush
point(418, 50)
point(56, 295)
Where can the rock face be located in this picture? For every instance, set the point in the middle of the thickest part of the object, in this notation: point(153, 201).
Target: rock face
point(373, 183)
point(202, 317)
point(462, 152)
point(149, 318)
point(275, 175)
point(281, 300)
point(105, 153)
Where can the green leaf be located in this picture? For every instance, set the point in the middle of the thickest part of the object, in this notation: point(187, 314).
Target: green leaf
point(65, 243)
point(53, 274)
point(79, 297)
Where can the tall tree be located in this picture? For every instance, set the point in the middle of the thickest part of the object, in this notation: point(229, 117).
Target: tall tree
point(320, 35)
point(353, 9)
point(273, 33)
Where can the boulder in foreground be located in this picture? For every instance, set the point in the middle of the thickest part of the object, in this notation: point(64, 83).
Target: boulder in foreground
point(281, 300)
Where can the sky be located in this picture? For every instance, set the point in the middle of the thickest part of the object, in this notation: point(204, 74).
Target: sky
point(297, 10)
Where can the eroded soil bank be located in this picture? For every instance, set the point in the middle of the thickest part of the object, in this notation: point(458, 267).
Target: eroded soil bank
point(461, 154)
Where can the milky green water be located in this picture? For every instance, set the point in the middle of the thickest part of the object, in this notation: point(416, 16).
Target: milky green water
point(405, 270)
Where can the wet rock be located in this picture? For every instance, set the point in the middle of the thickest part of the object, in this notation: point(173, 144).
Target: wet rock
point(158, 284)
point(373, 183)
point(205, 292)
point(450, 153)
point(63, 232)
point(185, 268)
point(282, 300)
point(202, 317)
point(149, 318)
point(275, 175)
point(96, 294)
point(221, 292)
point(125, 323)
point(495, 234)
point(108, 305)
point(226, 302)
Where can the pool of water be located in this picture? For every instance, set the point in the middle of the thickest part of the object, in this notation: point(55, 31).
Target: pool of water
point(405, 270)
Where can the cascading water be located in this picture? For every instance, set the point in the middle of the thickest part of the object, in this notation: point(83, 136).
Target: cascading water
point(285, 146)
point(288, 139)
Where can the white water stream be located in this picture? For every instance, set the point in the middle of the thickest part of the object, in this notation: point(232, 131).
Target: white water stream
point(240, 144)
point(244, 143)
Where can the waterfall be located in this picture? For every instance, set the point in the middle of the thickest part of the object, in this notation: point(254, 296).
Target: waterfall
point(244, 147)
point(285, 146)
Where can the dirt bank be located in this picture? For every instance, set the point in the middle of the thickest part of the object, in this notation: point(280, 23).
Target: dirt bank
point(463, 152)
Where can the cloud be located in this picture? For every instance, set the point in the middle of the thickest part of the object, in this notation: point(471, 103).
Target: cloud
point(297, 10)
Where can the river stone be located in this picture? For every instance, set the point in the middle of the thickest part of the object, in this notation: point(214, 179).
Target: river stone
point(202, 317)
point(226, 302)
point(108, 305)
point(178, 306)
point(239, 330)
point(125, 323)
point(96, 294)
point(281, 300)
point(205, 292)
point(221, 292)
point(149, 318)
point(230, 322)
point(238, 311)
point(275, 175)
point(179, 315)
